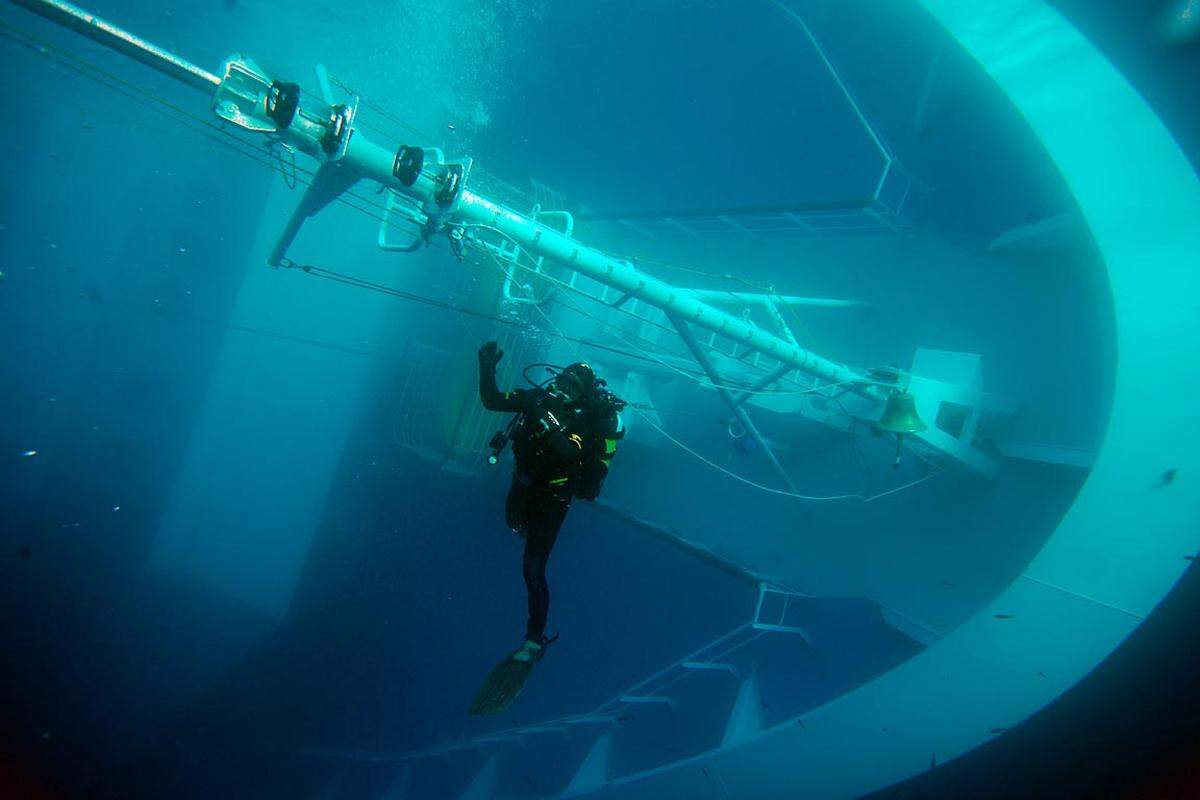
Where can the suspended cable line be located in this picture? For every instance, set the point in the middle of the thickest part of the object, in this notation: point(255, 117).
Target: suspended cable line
point(365, 205)
point(703, 380)
point(741, 478)
point(362, 204)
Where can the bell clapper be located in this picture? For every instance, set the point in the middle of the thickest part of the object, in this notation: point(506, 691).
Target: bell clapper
point(900, 417)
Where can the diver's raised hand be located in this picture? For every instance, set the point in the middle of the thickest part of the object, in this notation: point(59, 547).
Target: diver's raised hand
point(490, 354)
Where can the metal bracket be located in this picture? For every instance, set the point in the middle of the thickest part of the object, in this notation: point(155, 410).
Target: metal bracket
point(513, 256)
point(702, 358)
point(339, 129)
point(779, 625)
point(407, 211)
point(242, 97)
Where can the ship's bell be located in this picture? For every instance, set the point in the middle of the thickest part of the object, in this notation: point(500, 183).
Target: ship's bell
point(900, 415)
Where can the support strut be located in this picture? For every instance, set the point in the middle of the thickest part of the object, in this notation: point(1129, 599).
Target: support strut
point(701, 356)
point(763, 383)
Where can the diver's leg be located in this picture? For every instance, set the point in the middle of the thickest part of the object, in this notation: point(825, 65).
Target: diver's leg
point(544, 520)
point(516, 508)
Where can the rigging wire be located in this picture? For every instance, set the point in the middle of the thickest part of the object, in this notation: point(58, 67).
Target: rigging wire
point(576, 290)
point(361, 283)
point(705, 380)
point(239, 146)
point(289, 173)
point(730, 473)
point(225, 138)
point(380, 110)
point(217, 133)
point(563, 284)
point(702, 380)
point(765, 287)
point(279, 147)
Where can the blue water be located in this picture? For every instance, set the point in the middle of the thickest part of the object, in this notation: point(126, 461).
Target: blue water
point(229, 564)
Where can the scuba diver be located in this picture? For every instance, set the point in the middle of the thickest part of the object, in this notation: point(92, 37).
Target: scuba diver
point(564, 434)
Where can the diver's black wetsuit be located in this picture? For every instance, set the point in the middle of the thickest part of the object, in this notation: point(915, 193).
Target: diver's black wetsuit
point(536, 514)
point(543, 483)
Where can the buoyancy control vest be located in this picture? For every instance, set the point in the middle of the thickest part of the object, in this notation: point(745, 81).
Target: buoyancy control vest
point(556, 446)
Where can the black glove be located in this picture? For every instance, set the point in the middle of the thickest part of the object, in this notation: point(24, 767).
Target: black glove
point(490, 355)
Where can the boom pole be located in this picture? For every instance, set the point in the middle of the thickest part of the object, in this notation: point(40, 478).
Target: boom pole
point(245, 96)
point(122, 41)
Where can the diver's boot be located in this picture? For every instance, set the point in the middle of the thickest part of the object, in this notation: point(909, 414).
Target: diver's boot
point(507, 678)
point(532, 650)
